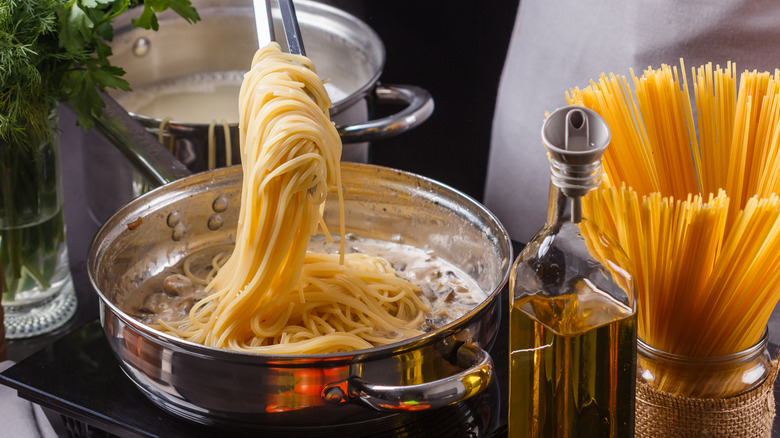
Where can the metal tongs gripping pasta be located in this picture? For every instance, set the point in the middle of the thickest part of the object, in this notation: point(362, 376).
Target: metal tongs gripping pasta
point(264, 24)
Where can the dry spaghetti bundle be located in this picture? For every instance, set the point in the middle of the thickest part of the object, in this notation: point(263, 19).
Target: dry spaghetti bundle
point(691, 196)
point(270, 295)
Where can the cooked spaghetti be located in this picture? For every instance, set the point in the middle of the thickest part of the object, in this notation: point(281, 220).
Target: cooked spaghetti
point(270, 295)
point(693, 201)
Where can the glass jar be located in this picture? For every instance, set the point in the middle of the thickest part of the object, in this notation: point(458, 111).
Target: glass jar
point(704, 376)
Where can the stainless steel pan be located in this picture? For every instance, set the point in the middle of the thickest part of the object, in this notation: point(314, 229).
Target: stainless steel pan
point(233, 389)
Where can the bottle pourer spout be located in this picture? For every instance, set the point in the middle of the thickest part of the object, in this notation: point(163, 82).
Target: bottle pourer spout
point(575, 137)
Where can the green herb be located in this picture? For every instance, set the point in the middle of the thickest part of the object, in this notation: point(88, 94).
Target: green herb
point(58, 50)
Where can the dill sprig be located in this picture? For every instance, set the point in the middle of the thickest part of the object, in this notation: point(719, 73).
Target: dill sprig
point(57, 51)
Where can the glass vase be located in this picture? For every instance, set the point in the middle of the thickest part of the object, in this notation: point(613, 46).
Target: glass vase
point(37, 289)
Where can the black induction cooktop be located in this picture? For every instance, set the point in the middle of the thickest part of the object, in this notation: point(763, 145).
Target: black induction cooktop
point(79, 377)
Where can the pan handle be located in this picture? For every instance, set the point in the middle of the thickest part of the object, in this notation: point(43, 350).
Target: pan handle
point(476, 376)
point(419, 107)
point(137, 144)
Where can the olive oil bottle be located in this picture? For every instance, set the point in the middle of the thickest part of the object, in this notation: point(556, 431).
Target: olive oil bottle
point(572, 315)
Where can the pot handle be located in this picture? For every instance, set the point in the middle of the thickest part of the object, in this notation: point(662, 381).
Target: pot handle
point(419, 107)
point(471, 381)
point(139, 146)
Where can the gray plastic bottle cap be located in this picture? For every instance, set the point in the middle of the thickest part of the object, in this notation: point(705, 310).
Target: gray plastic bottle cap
point(575, 135)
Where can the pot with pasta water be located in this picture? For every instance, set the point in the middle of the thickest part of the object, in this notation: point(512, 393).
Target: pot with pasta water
point(148, 260)
point(186, 79)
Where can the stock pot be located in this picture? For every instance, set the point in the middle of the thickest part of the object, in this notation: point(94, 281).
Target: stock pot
point(244, 390)
point(347, 53)
point(345, 50)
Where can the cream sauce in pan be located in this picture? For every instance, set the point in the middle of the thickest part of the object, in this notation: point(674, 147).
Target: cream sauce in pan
point(449, 291)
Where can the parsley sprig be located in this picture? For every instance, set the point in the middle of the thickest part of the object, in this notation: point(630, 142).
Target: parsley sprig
point(57, 51)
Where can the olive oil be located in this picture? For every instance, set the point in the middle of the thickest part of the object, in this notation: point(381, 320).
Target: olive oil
point(570, 379)
point(572, 310)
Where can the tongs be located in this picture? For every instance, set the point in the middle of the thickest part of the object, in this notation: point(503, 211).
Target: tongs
point(264, 25)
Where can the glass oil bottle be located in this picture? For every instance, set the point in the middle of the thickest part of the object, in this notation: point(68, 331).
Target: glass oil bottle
point(572, 309)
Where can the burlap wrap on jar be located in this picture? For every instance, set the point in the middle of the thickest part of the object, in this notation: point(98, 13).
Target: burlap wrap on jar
point(750, 415)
